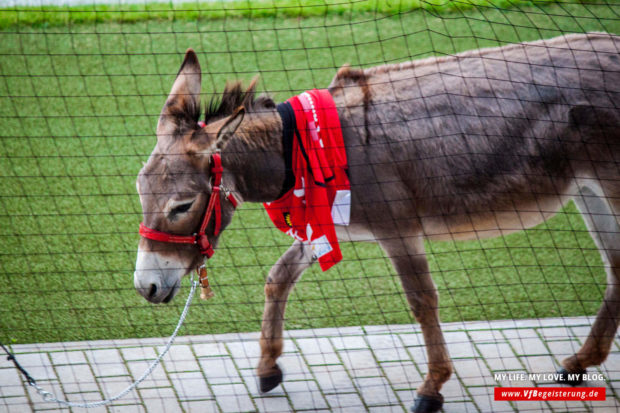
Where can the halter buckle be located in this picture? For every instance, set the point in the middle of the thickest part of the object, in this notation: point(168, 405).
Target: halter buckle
point(202, 241)
point(204, 245)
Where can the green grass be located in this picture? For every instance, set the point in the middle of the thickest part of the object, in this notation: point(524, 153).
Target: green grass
point(64, 15)
point(78, 108)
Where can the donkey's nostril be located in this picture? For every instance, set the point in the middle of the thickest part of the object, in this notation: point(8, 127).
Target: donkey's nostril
point(152, 291)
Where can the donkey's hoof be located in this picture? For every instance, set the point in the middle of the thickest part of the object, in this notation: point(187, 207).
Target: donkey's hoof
point(268, 383)
point(572, 379)
point(427, 404)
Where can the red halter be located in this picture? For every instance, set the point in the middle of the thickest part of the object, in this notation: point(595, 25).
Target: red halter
point(199, 238)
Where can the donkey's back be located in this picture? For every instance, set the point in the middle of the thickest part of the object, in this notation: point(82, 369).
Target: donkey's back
point(571, 67)
point(485, 92)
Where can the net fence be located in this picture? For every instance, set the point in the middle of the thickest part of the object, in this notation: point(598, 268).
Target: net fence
point(81, 90)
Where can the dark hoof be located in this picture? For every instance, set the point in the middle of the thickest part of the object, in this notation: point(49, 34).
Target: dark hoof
point(572, 379)
point(427, 404)
point(268, 383)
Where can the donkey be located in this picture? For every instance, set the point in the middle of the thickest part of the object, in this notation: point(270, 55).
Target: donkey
point(476, 145)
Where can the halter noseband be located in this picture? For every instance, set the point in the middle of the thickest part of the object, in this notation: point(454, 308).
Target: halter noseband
point(214, 204)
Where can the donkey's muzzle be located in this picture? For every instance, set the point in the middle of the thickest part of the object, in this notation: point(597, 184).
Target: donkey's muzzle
point(156, 293)
point(157, 278)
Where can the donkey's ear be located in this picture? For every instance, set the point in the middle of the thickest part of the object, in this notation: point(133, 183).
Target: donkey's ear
point(182, 108)
point(229, 128)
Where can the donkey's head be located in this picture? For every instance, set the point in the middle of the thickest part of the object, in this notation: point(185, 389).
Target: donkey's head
point(176, 184)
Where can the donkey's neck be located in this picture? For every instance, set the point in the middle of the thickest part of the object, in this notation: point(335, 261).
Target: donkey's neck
point(255, 158)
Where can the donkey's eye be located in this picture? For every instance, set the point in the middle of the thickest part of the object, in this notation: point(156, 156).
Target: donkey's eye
point(181, 208)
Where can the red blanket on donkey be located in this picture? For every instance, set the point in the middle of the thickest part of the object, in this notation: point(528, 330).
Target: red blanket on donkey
point(321, 195)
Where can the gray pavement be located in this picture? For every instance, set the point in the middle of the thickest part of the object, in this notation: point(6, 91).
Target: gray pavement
point(372, 368)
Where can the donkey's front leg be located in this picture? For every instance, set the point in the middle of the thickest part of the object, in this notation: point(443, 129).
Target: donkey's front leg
point(280, 282)
point(408, 257)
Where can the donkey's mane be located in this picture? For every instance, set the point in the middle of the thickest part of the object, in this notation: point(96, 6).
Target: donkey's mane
point(233, 97)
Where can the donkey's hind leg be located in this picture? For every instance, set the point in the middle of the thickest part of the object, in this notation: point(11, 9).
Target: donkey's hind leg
point(601, 210)
point(280, 281)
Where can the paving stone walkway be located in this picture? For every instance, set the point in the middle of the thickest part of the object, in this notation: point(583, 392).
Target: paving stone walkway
point(374, 368)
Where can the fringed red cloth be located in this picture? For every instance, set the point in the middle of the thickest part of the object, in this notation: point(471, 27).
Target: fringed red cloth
point(321, 195)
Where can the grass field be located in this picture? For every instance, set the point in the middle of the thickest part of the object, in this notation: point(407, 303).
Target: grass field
point(78, 109)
